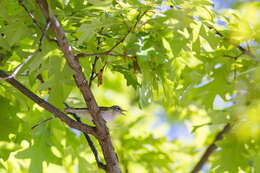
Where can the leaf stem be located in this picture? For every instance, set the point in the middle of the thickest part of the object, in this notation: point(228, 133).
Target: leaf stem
point(15, 72)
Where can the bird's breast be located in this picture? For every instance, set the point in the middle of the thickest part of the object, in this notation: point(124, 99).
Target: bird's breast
point(109, 115)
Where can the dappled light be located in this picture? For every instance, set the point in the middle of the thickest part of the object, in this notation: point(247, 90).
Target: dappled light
point(129, 86)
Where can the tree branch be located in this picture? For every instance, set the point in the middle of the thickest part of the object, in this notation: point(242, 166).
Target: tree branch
point(30, 56)
point(49, 107)
point(90, 143)
point(102, 132)
point(83, 55)
point(108, 52)
point(35, 21)
point(243, 50)
point(210, 149)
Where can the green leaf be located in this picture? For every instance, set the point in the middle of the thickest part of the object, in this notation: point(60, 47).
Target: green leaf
point(129, 75)
point(100, 3)
point(3, 9)
point(84, 165)
point(88, 30)
point(6, 148)
point(4, 44)
point(40, 150)
point(231, 156)
point(15, 31)
point(256, 162)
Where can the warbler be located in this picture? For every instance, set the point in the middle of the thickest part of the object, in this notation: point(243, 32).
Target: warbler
point(109, 114)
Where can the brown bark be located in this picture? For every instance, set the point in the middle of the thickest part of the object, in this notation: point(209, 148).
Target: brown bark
point(102, 132)
point(47, 106)
point(210, 149)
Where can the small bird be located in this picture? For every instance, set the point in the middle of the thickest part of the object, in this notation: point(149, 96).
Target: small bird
point(108, 113)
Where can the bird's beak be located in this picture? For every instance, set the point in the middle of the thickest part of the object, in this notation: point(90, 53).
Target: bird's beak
point(123, 112)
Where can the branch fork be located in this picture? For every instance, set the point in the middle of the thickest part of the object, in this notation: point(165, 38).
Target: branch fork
point(101, 130)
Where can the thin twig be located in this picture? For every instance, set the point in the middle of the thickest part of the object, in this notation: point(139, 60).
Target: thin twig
point(247, 52)
point(92, 77)
point(95, 61)
point(235, 65)
point(42, 122)
point(90, 143)
point(39, 76)
point(243, 50)
point(95, 152)
point(234, 57)
point(35, 21)
point(108, 52)
point(30, 56)
point(100, 75)
point(210, 149)
point(82, 55)
point(100, 72)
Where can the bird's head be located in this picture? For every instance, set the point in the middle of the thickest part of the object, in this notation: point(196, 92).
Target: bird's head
point(118, 109)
